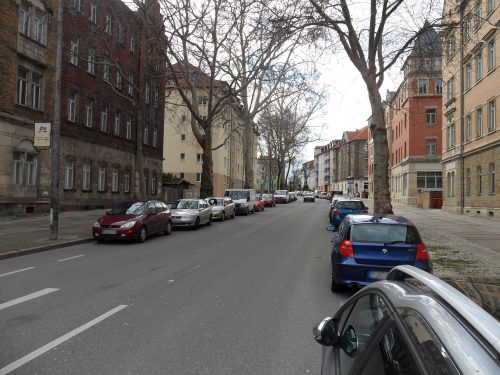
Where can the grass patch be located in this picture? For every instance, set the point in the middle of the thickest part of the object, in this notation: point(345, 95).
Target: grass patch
point(453, 264)
point(438, 248)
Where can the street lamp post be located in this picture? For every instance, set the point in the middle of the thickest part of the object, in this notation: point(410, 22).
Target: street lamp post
point(350, 184)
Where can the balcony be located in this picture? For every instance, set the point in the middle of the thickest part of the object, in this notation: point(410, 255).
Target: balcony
point(24, 192)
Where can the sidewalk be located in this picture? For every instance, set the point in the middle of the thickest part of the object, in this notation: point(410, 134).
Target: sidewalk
point(24, 235)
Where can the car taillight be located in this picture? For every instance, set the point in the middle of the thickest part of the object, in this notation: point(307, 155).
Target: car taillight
point(346, 249)
point(336, 213)
point(422, 252)
point(365, 211)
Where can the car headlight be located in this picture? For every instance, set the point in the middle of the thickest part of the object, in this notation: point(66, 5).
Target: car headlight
point(97, 225)
point(130, 224)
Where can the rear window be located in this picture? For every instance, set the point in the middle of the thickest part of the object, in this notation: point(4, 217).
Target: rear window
point(386, 233)
point(237, 194)
point(350, 205)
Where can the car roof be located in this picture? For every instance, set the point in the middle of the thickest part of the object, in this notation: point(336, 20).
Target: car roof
point(379, 219)
point(408, 287)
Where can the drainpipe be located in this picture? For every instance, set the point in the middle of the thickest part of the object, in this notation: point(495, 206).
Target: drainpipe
point(462, 111)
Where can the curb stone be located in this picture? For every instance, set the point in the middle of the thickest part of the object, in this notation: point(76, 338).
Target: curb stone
point(37, 249)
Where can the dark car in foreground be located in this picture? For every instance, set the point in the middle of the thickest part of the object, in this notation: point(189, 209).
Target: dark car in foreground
point(133, 221)
point(366, 247)
point(414, 323)
point(343, 207)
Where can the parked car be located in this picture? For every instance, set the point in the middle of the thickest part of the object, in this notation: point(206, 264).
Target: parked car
point(345, 207)
point(323, 195)
point(222, 207)
point(309, 196)
point(332, 204)
point(133, 221)
point(415, 323)
point(366, 247)
point(282, 196)
point(269, 200)
point(244, 199)
point(191, 213)
point(259, 203)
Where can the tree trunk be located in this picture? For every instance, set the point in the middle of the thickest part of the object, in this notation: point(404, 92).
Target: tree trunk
point(248, 155)
point(207, 169)
point(381, 192)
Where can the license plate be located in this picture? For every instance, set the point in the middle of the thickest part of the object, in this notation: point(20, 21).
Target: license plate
point(108, 231)
point(377, 275)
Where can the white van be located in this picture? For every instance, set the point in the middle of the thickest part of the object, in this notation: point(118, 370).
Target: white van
point(244, 200)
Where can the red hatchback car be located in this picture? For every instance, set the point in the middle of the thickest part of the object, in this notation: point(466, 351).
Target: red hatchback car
point(259, 203)
point(269, 200)
point(133, 221)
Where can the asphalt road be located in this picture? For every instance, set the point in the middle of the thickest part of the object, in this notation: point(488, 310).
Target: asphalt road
point(239, 297)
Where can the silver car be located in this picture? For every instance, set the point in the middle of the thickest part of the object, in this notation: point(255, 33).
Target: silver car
point(415, 323)
point(191, 213)
point(222, 208)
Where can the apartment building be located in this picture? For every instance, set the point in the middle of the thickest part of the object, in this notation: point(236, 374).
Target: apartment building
point(413, 120)
point(27, 65)
point(183, 153)
point(471, 136)
point(308, 174)
point(111, 138)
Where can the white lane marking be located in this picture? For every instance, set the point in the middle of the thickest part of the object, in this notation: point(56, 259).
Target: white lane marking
point(27, 297)
point(31, 356)
point(65, 259)
point(195, 268)
point(10, 273)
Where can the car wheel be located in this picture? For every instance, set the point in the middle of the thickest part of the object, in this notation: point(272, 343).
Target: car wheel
point(336, 287)
point(234, 214)
point(168, 229)
point(247, 211)
point(223, 217)
point(142, 234)
point(197, 223)
point(263, 208)
point(253, 210)
point(209, 220)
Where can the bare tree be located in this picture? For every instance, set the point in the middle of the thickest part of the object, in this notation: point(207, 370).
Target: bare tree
point(374, 44)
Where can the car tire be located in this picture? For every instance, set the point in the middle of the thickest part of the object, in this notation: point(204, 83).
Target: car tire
point(234, 214)
point(142, 234)
point(253, 210)
point(209, 220)
point(168, 229)
point(223, 217)
point(197, 223)
point(336, 287)
point(247, 211)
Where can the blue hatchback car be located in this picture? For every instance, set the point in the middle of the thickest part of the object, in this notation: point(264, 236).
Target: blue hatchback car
point(344, 207)
point(366, 247)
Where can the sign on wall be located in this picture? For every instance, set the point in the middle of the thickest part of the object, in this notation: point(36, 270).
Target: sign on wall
point(42, 134)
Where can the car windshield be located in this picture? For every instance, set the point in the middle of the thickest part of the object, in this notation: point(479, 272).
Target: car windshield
point(384, 233)
point(186, 205)
point(137, 208)
point(350, 205)
point(215, 202)
point(237, 194)
point(308, 194)
point(280, 192)
point(267, 196)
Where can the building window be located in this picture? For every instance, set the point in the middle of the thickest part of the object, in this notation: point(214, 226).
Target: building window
point(430, 146)
point(467, 27)
point(36, 91)
point(181, 175)
point(117, 123)
point(491, 115)
point(77, 5)
point(479, 122)
point(429, 180)
point(478, 14)
point(24, 169)
point(468, 75)
point(199, 158)
point(104, 118)
point(202, 100)
point(32, 22)
point(450, 88)
point(450, 139)
point(114, 180)
point(126, 182)
point(146, 133)
point(490, 5)
point(72, 103)
point(183, 156)
point(132, 43)
point(131, 84)
point(121, 34)
point(479, 173)
point(491, 54)
point(145, 181)
point(74, 51)
point(106, 69)
point(39, 26)
point(69, 174)
point(93, 11)
point(119, 78)
point(29, 88)
point(492, 178)
point(22, 86)
point(431, 116)
point(439, 86)
point(154, 184)
point(101, 178)
point(24, 18)
point(86, 176)
point(467, 182)
point(450, 46)
point(155, 137)
point(91, 61)
point(468, 128)
point(198, 177)
point(89, 113)
point(129, 127)
point(108, 26)
point(183, 137)
point(479, 66)
point(422, 86)
point(147, 92)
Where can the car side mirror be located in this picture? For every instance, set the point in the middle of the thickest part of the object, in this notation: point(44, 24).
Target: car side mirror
point(366, 208)
point(325, 333)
